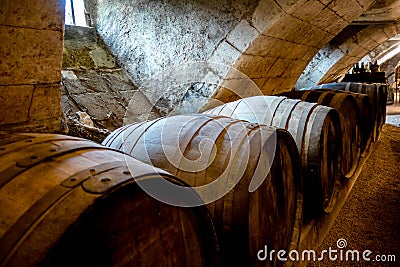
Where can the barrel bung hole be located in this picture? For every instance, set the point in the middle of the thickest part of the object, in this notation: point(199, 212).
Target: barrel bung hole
point(105, 180)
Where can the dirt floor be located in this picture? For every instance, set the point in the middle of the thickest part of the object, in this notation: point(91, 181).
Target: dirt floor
point(370, 218)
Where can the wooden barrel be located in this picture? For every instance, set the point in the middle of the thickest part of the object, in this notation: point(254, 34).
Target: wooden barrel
point(236, 154)
point(349, 115)
point(366, 117)
point(383, 95)
point(376, 95)
point(66, 201)
point(315, 129)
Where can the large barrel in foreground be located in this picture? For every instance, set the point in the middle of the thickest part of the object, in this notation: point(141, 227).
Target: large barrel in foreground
point(349, 115)
point(224, 159)
point(315, 129)
point(66, 201)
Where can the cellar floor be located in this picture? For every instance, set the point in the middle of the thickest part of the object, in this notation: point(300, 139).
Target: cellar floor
point(370, 217)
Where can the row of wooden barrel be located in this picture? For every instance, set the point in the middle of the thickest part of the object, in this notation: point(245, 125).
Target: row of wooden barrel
point(67, 201)
point(377, 94)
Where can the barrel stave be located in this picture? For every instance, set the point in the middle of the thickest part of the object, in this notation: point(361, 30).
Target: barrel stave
point(45, 207)
point(244, 221)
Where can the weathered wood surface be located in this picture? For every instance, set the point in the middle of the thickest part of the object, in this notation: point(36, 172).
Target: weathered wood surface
point(203, 149)
point(66, 201)
point(349, 115)
point(377, 94)
point(315, 129)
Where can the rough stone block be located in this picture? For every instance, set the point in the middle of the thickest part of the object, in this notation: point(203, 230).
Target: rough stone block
point(93, 104)
point(71, 83)
point(325, 2)
point(329, 21)
point(284, 49)
point(284, 28)
point(297, 51)
point(46, 102)
point(14, 103)
point(30, 56)
point(279, 67)
point(310, 53)
point(272, 86)
point(357, 51)
point(313, 36)
point(238, 83)
point(38, 14)
point(114, 104)
point(242, 35)
point(254, 66)
point(262, 46)
point(296, 67)
point(326, 65)
point(379, 37)
point(139, 107)
point(101, 58)
point(118, 81)
point(266, 13)
point(260, 82)
point(370, 45)
point(68, 106)
point(289, 5)
point(348, 10)
point(77, 37)
point(92, 81)
point(316, 76)
point(307, 10)
point(391, 30)
point(225, 54)
point(242, 88)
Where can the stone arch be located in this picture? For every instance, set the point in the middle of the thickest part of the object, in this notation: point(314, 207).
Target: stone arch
point(334, 60)
point(269, 41)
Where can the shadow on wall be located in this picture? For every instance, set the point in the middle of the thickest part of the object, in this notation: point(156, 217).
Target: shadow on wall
point(96, 91)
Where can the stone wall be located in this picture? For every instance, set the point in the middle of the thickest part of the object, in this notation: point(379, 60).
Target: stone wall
point(337, 58)
point(96, 91)
point(31, 34)
point(269, 42)
point(389, 67)
point(150, 38)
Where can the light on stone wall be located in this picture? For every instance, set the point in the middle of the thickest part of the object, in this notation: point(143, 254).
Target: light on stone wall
point(389, 55)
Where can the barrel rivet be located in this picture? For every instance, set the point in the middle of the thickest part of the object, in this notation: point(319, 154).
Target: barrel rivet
point(73, 179)
point(105, 180)
point(34, 157)
point(126, 172)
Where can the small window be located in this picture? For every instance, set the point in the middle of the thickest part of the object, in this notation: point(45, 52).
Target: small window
point(75, 13)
